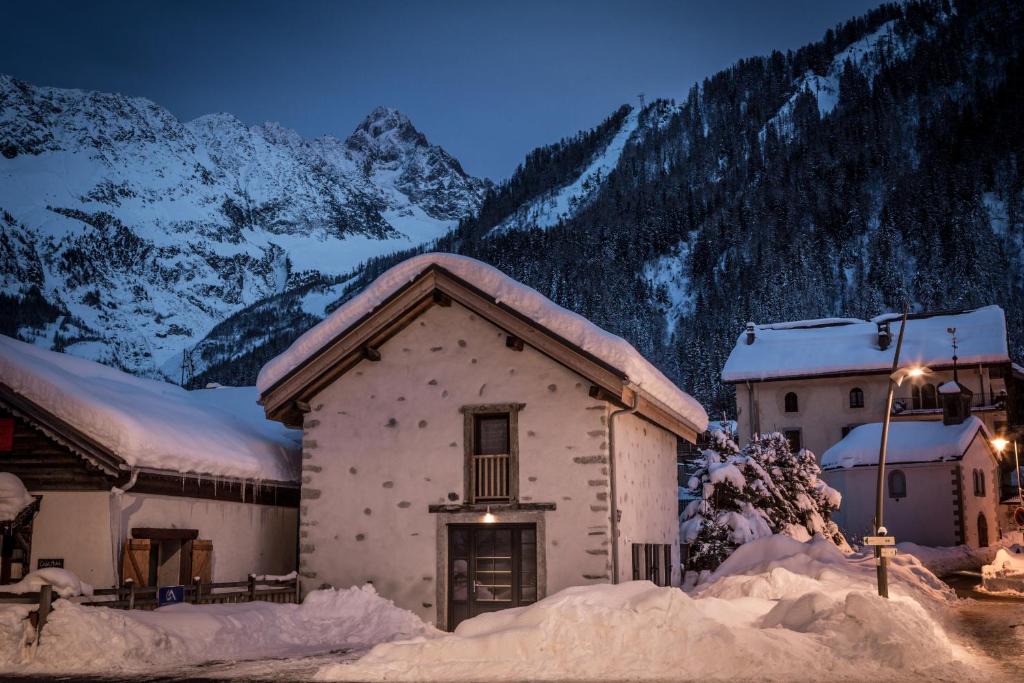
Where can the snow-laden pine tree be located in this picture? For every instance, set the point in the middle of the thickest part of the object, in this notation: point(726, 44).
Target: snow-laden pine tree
point(743, 495)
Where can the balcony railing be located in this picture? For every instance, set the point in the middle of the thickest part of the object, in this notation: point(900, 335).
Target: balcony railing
point(491, 477)
point(924, 404)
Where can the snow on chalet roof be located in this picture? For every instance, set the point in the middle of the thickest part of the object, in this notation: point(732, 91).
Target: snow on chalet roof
point(834, 345)
point(909, 442)
point(576, 329)
point(151, 424)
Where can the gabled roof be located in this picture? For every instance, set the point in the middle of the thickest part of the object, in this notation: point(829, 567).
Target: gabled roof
point(117, 421)
point(917, 441)
point(360, 326)
point(815, 348)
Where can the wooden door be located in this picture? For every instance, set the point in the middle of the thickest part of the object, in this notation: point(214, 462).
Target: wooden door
point(490, 567)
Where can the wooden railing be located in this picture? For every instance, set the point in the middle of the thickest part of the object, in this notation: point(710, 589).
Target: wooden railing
point(130, 596)
point(491, 475)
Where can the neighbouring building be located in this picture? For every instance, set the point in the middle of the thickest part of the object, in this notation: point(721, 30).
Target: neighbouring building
point(816, 380)
point(470, 446)
point(943, 479)
point(140, 479)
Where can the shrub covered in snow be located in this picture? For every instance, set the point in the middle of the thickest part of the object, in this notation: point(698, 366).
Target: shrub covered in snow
point(751, 493)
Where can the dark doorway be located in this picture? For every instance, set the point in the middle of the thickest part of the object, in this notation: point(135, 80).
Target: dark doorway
point(982, 530)
point(490, 567)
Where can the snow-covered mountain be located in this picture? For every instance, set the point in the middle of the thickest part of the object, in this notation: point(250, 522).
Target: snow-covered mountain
point(128, 234)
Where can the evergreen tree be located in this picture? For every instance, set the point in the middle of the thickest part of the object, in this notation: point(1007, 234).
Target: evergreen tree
point(751, 493)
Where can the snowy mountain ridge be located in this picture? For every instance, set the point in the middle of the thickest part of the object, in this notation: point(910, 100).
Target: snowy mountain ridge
point(128, 234)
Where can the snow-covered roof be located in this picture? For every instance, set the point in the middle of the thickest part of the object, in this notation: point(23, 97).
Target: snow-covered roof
point(838, 345)
point(152, 424)
point(574, 328)
point(909, 442)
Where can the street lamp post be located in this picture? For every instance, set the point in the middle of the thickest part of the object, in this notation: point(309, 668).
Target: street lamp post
point(1000, 445)
point(880, 561)
point(896, 378)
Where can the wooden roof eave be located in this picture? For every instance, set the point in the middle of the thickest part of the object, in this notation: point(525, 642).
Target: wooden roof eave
point(62, 432)
point(838, 374)
point(289, 397)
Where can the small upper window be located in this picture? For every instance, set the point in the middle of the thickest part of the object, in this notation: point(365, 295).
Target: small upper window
point(924, 397)
point(897, 484)
point(792, 405)
point(979, 482)
point(856, 397)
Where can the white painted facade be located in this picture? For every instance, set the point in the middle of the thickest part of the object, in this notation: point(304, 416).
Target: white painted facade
point(87, 529)
point(385, 441)
point(930, 513)
point(824, 409)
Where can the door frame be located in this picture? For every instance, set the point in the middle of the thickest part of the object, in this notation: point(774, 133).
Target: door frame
point(476, 518)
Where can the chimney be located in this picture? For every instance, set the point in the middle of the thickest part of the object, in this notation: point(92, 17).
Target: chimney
point(884, 335)
point(750, 333)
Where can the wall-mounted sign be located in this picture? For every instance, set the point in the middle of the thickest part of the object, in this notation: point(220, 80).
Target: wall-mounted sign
point(46, 563)
point(170, 595)
point(6, 434)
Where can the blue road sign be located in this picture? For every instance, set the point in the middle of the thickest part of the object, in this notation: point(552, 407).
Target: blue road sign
point(170, 595)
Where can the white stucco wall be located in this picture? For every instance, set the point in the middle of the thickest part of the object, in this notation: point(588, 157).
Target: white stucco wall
point(925, 516)
point(75, 526)
point(824, 405)
point(80, 526)
point(385, 441)
point(979, 456)
point(647, 490)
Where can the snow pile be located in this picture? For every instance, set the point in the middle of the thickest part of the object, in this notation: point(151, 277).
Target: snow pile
point(14, 497)
point(777, 610)
point(147, 423)
point(65, 583)
point(823, 347)
point(576, 329)
point(912, 441)
point(1007, 562)
point(946, 560)
point(97, 639)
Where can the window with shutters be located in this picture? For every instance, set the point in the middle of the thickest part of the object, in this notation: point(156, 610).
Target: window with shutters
point(166, 557)
point(492, 452)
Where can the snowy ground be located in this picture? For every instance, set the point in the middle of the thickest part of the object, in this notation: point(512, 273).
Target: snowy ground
point(778, 609)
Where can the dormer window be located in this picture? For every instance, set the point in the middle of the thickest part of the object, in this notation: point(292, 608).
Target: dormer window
point(792, 405)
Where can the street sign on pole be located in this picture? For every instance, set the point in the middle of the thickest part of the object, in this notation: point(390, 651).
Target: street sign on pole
point(888, 551)
point(879, 540)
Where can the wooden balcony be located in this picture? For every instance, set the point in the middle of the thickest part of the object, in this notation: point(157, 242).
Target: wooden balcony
point(491, 474)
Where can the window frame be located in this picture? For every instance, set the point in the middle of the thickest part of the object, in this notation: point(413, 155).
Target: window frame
point(856, 398)
point(889, 483)
point(470, 414)
point(796, 403)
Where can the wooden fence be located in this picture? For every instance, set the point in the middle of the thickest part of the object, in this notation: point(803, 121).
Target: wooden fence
point(130, 596)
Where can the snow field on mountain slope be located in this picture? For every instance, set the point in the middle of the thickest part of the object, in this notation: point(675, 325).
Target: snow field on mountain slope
point(778, 609)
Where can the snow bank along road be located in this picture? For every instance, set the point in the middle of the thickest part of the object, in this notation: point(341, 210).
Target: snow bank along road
point(777, 609)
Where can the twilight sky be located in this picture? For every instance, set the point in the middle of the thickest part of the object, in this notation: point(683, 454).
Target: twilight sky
point(488, 81)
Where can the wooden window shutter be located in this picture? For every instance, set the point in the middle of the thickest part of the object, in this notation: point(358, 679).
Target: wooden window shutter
point(202, 560)
point(135, 561)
